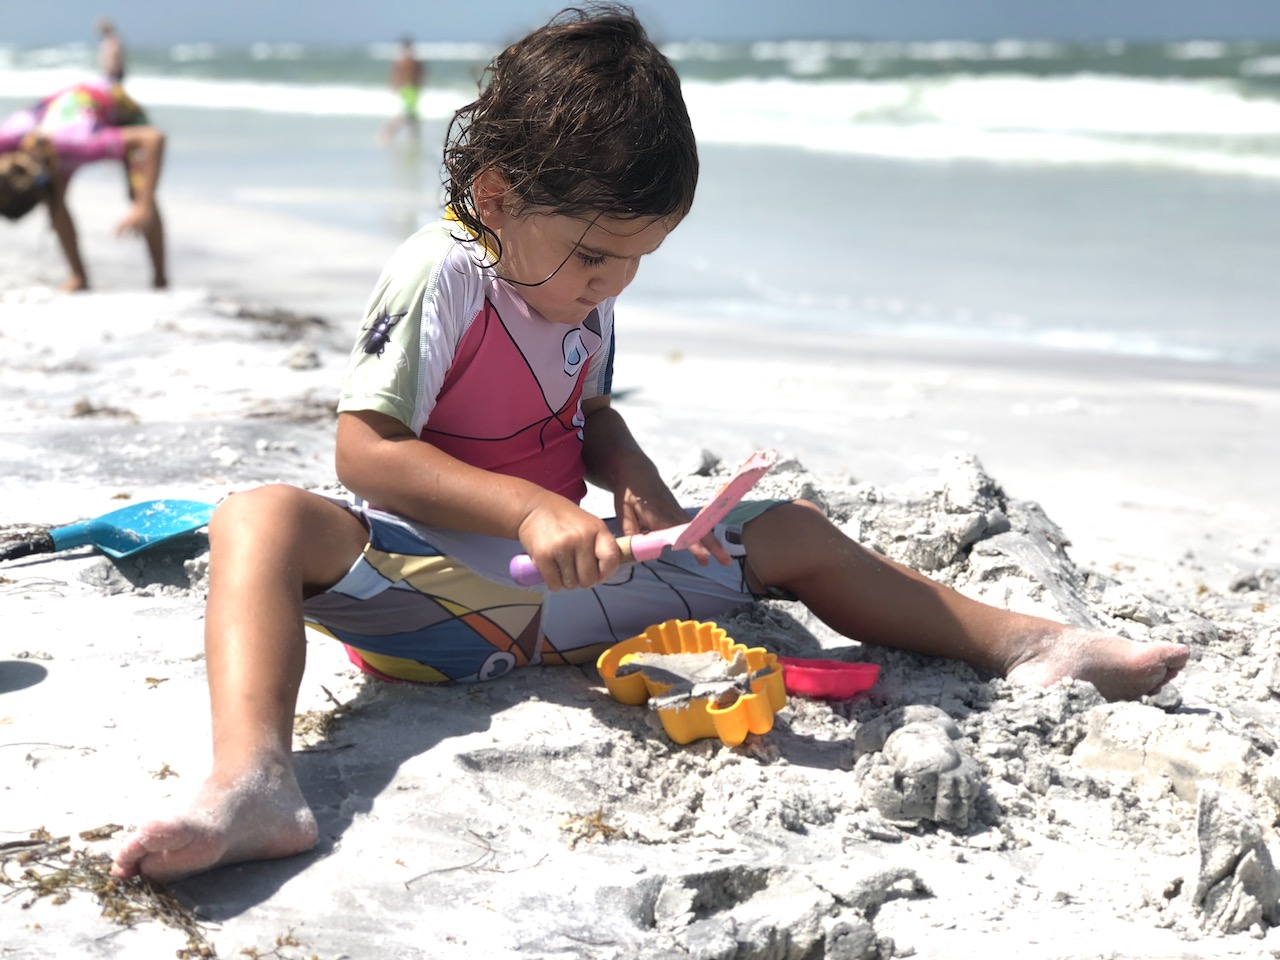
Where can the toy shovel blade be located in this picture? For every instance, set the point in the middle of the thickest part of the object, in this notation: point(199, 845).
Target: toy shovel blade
point(119, 533)
point(704, 521)
point(649, 546)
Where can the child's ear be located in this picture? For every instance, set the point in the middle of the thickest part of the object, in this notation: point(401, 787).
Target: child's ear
point(492, 195)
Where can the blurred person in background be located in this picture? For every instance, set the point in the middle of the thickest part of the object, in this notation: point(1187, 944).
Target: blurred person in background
point(42, 146)
point(407, 76)
point(110, 52)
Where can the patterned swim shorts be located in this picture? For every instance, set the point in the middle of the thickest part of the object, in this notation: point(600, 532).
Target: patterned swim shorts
point(431, 605)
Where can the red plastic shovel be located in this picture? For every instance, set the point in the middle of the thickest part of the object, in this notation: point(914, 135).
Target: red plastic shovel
point(649, 546)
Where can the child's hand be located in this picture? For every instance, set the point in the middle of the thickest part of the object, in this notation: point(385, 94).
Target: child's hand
point(570, 547)
point(659, 509)
point(137, 220)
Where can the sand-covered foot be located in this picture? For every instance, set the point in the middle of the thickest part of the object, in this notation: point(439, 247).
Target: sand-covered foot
point(1121, 669)
point(261, 816)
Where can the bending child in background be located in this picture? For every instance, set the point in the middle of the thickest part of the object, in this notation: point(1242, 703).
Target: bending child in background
point(475, 408)
point(42, 147)
point(407, 76)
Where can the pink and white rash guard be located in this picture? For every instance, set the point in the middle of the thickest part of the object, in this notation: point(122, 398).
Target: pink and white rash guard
point(454, 353)
point(81, 122)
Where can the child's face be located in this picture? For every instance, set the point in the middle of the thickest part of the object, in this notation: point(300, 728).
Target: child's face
point(587, 259)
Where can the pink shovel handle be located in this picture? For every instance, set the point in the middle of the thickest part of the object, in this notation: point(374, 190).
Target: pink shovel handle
point(523, 571)
point(635, 549)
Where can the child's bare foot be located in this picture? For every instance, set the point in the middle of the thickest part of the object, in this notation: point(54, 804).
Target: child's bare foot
point(260, 816)
point(1121, 669)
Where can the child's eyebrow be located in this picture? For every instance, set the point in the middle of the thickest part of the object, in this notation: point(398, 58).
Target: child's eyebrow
point(594, 251)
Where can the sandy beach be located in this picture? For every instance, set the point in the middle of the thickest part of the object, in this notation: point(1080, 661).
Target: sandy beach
point(537, 817)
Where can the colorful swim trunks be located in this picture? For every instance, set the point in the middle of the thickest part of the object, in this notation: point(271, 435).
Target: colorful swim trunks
point(432, 605)
point(409, 100)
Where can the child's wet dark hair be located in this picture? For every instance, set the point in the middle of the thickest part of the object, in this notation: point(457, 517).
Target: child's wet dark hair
point(24, 182)
point(582, 117)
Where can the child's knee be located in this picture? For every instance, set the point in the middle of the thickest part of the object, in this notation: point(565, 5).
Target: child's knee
point(809, 511)
point(250, 510)
point(784, 543)
point(790, 519)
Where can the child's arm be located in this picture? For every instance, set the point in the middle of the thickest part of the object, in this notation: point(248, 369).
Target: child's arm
point(143, 160)
point(380, 459)
point(64, 228)
point(616, 462)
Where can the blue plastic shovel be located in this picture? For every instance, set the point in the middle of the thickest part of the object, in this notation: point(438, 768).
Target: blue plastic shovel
point(119, 533)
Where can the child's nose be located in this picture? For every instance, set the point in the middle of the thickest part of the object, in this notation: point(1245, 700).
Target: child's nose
point(615, 277)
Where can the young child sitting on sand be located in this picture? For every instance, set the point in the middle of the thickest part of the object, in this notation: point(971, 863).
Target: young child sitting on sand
point(475, 408)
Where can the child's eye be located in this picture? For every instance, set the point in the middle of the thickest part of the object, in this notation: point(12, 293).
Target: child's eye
point(589, 261)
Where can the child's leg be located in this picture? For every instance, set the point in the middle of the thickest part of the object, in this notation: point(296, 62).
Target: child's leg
point(64, 228)
point(267, 548)
point(153, 235)
point(869, 598)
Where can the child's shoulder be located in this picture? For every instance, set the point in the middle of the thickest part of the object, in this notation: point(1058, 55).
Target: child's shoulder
point(437, 264)
point(433, 245)
point(434, 240)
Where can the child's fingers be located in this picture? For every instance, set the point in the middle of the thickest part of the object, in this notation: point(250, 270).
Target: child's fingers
point(608, 555)
point(583, 567)
point(710, 547)
point(559, 569)
point(135, 221)
point(128, 224)
point(592, 565)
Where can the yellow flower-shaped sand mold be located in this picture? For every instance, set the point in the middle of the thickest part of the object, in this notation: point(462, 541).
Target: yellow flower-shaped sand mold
point(747, 689)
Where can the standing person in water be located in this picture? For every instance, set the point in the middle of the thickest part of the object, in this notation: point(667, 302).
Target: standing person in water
point(110, 52)
point(475, 408)
point(407, 77)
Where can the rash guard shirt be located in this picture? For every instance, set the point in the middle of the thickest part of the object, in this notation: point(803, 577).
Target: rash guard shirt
point(454, 353)
point(81, 122)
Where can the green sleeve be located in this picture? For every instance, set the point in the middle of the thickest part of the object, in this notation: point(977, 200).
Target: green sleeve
point(384, 373)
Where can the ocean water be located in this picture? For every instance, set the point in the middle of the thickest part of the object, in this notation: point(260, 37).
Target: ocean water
point(1114, 199)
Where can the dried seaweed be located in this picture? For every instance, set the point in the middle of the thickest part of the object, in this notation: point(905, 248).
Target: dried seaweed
point(590, 827)
point(314, 727)
point(45, 866)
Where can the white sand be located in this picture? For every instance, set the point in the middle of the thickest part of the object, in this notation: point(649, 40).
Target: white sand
point(534, 816)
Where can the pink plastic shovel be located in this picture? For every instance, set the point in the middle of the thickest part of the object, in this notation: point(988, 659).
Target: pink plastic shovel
point(649, 546)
